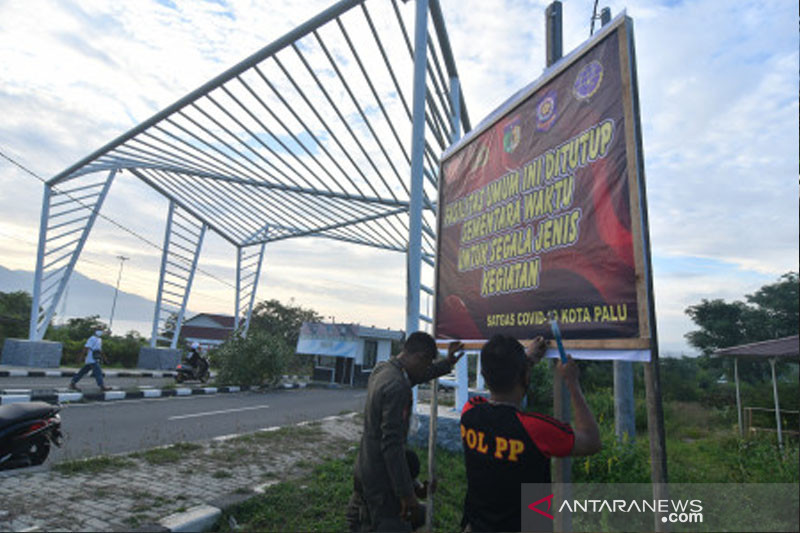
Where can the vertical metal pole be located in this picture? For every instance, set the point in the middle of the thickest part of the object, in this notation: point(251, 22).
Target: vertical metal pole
point(154, 334)
point(176, 334)
point(624, 406)
point(772, 362)
point(414, 254)
point(479, 384)
point(738, 395)
point(37, 277)
point(253, 292)
point(553, 32)
point(122, 260)
point(562, 468)
point(236, 309)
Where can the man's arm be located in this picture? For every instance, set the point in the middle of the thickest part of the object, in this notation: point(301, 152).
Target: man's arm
point(442, 366)
point(587, 434)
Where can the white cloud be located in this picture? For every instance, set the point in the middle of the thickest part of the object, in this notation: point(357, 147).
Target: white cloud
point(718, 85)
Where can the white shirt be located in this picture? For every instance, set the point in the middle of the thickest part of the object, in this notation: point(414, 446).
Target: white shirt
point(95, 344)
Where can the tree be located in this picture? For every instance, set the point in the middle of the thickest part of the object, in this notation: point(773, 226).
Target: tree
point(777, 306)
point(258, 359)
point(271, 316)
point(771, 312)
point(15, 312)
point(77, 329)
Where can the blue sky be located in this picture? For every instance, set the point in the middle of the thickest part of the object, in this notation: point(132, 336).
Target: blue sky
point(719, 101)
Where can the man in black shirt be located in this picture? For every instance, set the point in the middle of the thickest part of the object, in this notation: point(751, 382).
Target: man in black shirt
point(504, 447)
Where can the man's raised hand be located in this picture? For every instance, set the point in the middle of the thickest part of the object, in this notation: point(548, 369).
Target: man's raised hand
point(454, 352)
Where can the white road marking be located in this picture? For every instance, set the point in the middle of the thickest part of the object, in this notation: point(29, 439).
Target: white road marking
point(211, 413)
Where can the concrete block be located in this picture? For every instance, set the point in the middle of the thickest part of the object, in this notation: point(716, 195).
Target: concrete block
point(158, 358)
point(22, 352)
point(199, 518)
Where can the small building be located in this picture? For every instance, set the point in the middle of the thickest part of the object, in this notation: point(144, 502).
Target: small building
point(345, 353)
point(208, 330)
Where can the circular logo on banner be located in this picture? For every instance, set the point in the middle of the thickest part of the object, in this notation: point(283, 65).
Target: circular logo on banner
point(512, 134)
point(546, 111)
point(588, 81)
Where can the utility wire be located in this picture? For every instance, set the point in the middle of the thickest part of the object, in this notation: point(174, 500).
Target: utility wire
point(108, 219)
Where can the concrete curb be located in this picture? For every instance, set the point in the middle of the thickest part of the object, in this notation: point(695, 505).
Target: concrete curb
point(199, 518)
point(113, 395)
point(20, 373)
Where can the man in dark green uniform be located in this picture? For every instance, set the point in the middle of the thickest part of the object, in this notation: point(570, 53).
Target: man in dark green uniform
point(383, 496)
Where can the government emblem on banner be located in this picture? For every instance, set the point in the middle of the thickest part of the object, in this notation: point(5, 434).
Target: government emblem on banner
point(588, 80)
point(512, 134)
point(546, 111)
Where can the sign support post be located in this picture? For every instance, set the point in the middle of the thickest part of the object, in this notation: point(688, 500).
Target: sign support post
point(562, 468)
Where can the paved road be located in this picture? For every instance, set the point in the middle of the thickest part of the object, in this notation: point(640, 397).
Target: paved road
point(87, 383)
point(128, 425)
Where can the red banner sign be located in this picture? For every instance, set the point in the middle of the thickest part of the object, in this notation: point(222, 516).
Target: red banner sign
point(539, 212)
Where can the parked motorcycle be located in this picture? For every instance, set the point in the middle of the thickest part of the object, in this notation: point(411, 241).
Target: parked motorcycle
point(187, 372)
point(27, 431)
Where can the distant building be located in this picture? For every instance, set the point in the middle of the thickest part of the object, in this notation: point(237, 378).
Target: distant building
point(345, 353)
point(207, 329)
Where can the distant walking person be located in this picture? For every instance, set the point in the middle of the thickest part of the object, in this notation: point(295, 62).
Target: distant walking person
point(92, 362)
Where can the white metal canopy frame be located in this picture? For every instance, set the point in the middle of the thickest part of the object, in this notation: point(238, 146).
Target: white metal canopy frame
point(333, 130)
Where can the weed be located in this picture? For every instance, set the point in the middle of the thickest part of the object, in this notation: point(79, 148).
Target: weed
point(93, 465)
point(221, 474)
point(168, 454)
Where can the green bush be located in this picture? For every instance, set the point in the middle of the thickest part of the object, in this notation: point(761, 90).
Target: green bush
point(72, 352)
point(617, 462)
point(258, 359)
point(123, 351)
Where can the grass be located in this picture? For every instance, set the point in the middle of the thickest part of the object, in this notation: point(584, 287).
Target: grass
point(308, 433)
point(314, 502)
point(702, 447)
point(95, 465)
point(167, 454)
point(317, 501)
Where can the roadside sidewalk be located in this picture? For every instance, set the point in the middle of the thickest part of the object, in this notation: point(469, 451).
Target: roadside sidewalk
point(168, 488)
point(61, 394)
point(63, 397)
point(67, 372)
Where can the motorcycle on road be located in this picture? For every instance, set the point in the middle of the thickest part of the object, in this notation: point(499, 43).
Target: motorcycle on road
point(187, 372)
point(27, 431)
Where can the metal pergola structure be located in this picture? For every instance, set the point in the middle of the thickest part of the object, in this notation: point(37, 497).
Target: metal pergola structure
point(333, 130)
point(786, 349)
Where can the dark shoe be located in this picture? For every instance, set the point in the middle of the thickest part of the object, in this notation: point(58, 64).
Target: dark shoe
point(104, 388)
point(74, 387)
